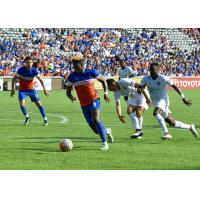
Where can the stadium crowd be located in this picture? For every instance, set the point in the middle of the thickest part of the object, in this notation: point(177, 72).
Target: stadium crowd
point(52, 50)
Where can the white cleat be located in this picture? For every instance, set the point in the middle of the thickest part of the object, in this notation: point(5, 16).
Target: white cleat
point(194, 131)
point(166, 136)
point(109, 135)
point(104, 146)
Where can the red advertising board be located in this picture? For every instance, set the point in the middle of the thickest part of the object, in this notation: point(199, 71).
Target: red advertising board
point(187, 83)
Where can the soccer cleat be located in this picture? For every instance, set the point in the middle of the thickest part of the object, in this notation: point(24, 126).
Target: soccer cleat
point(104, 146)
point(109, 135)
point(137, 135)
point(45, 123)
point(27, 121)
point(166, 136)
point(194, 131)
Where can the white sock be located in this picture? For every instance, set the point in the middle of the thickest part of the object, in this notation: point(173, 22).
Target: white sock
point(162, 123)
point(182, 125)
point(108, 131)
point(135, 121)
point(45, 118)
point(27, 115)
point(140, 120)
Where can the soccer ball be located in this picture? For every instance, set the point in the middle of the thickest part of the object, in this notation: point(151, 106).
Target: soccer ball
point(66, 145)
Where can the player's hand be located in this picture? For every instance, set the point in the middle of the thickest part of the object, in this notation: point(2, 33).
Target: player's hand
point(122, 118)
point(149, 103)
point(12, 93)
point(187, 102)
point(107, 99)
point(46, 93)
point(73, 99)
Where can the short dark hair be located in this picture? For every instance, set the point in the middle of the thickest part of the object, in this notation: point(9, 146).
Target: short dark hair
point(27, 58)
point(154, 64)
point(110, 81)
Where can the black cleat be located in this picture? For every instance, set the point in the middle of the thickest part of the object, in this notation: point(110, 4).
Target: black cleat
point(137, 135)
point(27, 121)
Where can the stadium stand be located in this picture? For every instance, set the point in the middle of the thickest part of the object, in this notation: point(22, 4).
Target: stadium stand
point(178, 50)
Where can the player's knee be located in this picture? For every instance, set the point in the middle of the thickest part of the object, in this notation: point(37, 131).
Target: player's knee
point(139, 114)
point(171, 123)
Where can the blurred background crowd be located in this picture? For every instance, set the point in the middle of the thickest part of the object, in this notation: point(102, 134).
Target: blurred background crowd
point(177, 50)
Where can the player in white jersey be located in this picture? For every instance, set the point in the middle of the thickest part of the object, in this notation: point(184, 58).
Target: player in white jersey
point(157, 86)
point(137, 102)
point(124, 71)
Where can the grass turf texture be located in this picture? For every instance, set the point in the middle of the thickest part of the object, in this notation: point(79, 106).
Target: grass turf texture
point(37, 147)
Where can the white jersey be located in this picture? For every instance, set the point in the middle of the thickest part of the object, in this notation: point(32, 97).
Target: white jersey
point(127, 88)
point(126, 72)
point(158, 87)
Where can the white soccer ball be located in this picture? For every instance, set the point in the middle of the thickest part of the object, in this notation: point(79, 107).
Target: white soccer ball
point(66, 145)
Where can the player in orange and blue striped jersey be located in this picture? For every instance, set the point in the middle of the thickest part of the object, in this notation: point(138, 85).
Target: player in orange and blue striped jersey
point(83, 81)
point(26, 76)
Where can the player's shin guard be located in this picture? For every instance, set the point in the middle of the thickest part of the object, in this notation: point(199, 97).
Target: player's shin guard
point(24, 110)
point(101, 131)
point(134, 121)
point(42, 111)
point(179, 124)
point(162, 123)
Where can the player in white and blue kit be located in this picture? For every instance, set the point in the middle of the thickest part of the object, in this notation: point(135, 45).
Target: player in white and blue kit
point(137, 102)
point(157, 85)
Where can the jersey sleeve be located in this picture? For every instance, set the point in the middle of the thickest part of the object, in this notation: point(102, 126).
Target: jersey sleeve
point(19, 72)
point(130, 71)
point(143, 82)
point(36, 73)
point(117, 96)
point(94, 73)
point(168, 80)
point(70, 81)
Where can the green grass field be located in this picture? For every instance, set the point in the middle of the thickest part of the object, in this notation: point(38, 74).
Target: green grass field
point(37, 147)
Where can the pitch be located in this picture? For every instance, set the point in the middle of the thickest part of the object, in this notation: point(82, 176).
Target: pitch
point(37, 147)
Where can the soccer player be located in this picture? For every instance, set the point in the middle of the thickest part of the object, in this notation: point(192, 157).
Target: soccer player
point(83, 81)
point(157, 86)
point(124, 71)
point(26, 75)
point(137, 102)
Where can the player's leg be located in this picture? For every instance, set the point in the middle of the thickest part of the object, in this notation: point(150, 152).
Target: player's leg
point(101, 128)
point(88, 116)
point(134, 119)
point(177, 124)
point(22, 102)
point(158, 115)
point(34, 96)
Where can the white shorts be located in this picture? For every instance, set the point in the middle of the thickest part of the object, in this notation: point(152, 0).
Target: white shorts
point(164, 105)
point(138, 100)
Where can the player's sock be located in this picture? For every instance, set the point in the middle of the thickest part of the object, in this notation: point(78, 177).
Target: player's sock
point(162, 123)
point(140, 120)
point(135, 122)
point(182, 125)
point(42, 111)
point(101, 131)
point(24, 111)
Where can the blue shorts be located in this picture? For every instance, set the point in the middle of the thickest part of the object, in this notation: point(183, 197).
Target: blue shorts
point(34, 96)
point(95, 105)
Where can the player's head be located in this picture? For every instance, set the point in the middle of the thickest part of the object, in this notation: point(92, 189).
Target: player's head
point(154, 68)
point(29, 62)
point(121, 61)
point(112, 85)
point(78, 62)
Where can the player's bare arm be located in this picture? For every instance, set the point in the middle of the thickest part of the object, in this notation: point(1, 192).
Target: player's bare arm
point(44, 89)
point(69, 93)
point(105, 88)
point(118, 110)
point(185, 101)
point(12, 93)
